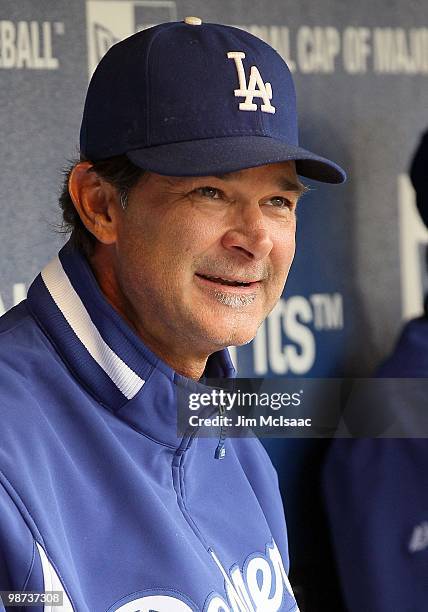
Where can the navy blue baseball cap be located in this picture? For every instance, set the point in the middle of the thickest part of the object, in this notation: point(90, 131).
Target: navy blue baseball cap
point(196, 99)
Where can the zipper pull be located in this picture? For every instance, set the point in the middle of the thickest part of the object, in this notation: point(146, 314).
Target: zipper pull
point(220, 451)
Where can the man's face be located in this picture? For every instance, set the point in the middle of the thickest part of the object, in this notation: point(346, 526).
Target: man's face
point(202, 261)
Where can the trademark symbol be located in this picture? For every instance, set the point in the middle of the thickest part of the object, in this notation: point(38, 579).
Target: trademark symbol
point(327, 310)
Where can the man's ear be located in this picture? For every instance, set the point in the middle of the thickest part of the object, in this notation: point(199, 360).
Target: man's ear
point(96, 202)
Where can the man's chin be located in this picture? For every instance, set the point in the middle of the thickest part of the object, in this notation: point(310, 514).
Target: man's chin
point(230, 337)
point(219, 330)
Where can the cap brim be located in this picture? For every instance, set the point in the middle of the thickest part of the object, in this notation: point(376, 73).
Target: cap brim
point(230, 154)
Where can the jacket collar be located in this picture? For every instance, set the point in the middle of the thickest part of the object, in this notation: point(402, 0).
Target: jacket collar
point(107, 357)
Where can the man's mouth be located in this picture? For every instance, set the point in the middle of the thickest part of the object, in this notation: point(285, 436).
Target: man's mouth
point(226, 281)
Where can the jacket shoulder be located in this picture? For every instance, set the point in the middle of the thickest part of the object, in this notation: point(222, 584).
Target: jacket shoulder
point(22, 344)
point(19, 331)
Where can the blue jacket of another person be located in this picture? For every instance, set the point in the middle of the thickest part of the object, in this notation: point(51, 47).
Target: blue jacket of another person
point(376, 494)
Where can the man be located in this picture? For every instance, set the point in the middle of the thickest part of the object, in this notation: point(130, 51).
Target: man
point(183, 218)
point(376, 490)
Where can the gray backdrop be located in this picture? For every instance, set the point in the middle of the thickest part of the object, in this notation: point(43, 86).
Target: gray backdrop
point(361, 76)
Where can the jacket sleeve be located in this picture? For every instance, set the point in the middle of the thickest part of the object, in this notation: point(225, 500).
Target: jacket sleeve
point(376, 493)
point(20, 565)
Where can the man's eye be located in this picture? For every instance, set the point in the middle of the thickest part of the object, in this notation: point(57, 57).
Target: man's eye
point(280, 202)
point(209, 192)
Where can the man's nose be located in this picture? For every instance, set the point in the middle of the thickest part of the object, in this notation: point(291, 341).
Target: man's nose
point(248, 234)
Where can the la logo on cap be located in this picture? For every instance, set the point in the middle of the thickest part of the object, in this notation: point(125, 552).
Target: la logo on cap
point(264, 90)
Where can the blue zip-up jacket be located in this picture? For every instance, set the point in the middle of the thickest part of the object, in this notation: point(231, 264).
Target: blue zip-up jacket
point(99, 498)
point(376, 493)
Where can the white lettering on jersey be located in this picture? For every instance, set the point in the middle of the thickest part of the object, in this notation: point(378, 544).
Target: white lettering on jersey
point(259, 587)
point(249, 591)
point(419, 539)
point(264, 90)
point(155, 603)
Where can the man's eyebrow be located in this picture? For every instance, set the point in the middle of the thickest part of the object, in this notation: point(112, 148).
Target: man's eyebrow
point(226, 177)
point(287, 185)
point(284, 183)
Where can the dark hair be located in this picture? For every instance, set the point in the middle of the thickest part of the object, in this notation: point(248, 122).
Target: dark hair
point(119, 172)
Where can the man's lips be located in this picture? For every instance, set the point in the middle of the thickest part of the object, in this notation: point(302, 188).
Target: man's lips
point(228, 282)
